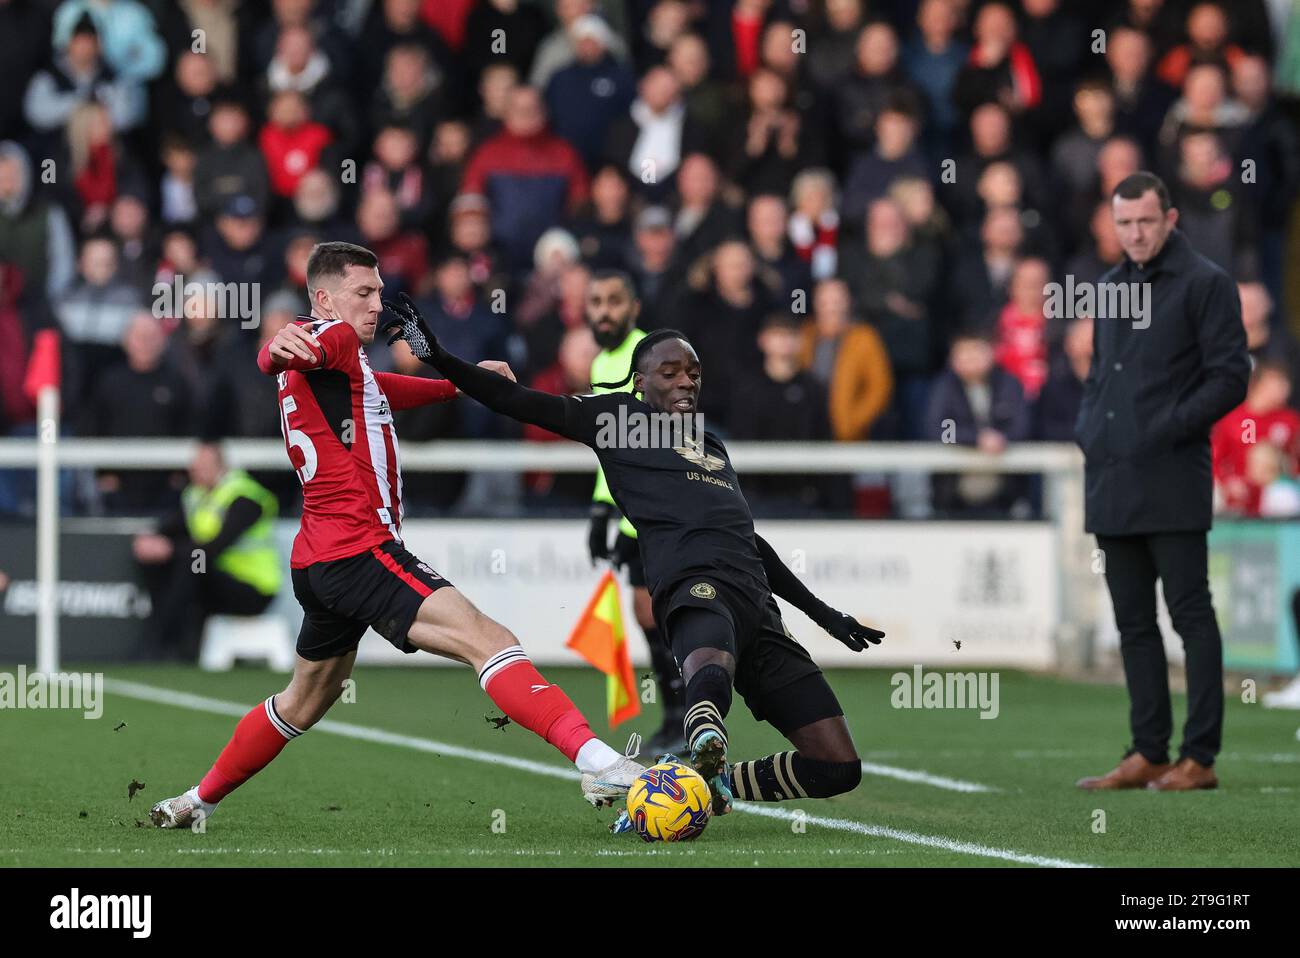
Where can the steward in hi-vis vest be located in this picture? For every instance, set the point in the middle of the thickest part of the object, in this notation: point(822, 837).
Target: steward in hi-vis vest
point(217, 556)
point(612, 309)
point(252, 558)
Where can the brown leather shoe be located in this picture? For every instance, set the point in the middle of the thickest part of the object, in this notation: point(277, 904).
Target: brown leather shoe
point(1134, 772)
point(1186, 776)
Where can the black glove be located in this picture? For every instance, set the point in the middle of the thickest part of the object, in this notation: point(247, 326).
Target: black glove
point(598, 533)
point(625, 550)
point(410, 326)
point(844, 628)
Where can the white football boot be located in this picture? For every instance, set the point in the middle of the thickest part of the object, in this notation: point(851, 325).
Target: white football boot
point(182, 811)
point(612, 782)
point(1287, 698)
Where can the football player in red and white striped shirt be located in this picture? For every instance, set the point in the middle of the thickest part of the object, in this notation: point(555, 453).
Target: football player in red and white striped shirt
point(350, 569)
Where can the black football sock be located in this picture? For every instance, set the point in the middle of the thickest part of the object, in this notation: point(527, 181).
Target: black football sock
point(708, 699)
point(787, 775)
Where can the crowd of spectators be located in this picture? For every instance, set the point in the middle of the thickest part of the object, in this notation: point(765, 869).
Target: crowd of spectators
point(852, 207)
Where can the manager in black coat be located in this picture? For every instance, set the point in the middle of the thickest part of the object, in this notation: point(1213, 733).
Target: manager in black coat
point(1162, 374)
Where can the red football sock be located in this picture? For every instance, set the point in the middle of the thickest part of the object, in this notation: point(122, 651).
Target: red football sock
point(258, 738)
point(529, 700)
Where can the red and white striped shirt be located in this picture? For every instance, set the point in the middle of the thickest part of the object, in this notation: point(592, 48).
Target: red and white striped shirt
point(337, 419)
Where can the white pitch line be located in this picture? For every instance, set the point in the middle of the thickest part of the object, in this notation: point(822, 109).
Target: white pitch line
point(638, 852)
point(1285, 758)
point(924, 778)
point(914, 838)
point(200, 703)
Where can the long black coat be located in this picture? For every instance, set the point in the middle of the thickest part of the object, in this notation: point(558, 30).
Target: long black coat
point(1153, 394)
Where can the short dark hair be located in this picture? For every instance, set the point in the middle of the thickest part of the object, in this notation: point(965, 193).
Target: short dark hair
point(229, 96)
point(780, 319)
point(973, 332)
point(333, 259)
point(1136, 185)
point(905, 103)
point(409, 48)
point(445, 257)
point(608, 273)
point(611, 168)
point(101, 235)
point(211, 441)
point(172, 141)
point(1094, 84)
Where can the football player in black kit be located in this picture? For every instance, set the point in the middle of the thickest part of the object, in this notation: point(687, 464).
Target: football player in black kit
point(712, 578)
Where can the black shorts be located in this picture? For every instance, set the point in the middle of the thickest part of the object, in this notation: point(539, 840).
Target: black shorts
point(775, 675)
point(381, 589)
point(635, 567)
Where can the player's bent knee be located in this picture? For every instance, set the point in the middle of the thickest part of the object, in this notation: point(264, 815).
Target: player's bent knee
point(309, 695)
point(484, 637)
point(304, 708)
point(826, 779)
point(701, 659)
point(494, 635)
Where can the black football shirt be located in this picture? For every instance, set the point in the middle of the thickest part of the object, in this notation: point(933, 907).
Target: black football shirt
point(684, 499)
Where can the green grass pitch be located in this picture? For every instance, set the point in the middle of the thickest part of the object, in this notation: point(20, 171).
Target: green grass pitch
point(335, 800)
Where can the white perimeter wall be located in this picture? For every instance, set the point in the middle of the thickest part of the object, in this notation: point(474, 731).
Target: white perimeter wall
point(992, 586)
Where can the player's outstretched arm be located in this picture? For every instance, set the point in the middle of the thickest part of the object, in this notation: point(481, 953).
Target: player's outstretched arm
point(498, 392)
point(841, 626)
point(407, 392)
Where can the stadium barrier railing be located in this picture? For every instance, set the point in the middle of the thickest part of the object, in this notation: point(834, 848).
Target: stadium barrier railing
point(1060, 465)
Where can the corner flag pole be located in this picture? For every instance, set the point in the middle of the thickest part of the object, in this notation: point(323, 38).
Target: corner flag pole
point(42, 384)
point(47, 531)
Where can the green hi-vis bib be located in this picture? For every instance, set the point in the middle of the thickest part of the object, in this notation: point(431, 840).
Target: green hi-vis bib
point(610, 366)
point(253, 558)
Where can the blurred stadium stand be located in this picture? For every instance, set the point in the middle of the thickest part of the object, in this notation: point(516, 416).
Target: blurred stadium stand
point(895, 173)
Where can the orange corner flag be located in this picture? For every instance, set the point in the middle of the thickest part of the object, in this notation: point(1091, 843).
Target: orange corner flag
point(599, 638)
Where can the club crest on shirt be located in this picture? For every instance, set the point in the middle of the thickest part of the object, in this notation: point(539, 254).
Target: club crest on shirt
point(702, 590)
point(692, 450)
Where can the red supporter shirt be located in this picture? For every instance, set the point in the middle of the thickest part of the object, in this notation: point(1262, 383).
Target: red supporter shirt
point(291, 153)
point(747, 33)
point(337, 419)
point(1281, 427)
point(1022, 348)
point(448, 18)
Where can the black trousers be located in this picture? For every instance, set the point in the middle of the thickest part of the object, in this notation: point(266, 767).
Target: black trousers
point(183, 600)
point(1179, 561)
